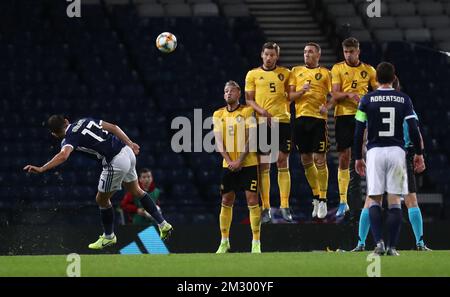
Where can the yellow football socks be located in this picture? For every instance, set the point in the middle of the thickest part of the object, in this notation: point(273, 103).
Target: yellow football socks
point(312, 177)
point(284, 184)
point(226, 215)
point(265, 188)
point(322, 176)
point(343, 180)
point(255, 221)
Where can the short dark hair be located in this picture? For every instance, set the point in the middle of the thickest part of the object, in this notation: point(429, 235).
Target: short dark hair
point(316, 45)
point(144, 170)
point(271, 45)
point(385, 73)
point(56, 123)
point(350, 42)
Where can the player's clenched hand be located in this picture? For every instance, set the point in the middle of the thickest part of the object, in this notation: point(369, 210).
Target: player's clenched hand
point(135, 147)
point(354, 96)
point(360, 167)
point(235, 165)
point(419, 163)
point(306, 87)
point(33, 169)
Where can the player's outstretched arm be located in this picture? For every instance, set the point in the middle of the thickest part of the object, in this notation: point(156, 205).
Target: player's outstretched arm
point(114, 129)
point(57, 160)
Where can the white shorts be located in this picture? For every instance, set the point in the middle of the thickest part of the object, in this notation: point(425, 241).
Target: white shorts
point(122, 168)
point(386, 171)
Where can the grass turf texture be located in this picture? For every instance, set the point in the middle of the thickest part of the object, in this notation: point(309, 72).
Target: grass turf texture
point(410, 263)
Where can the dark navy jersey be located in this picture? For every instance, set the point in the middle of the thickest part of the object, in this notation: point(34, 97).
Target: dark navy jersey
point(385, 111)
point(87, 136)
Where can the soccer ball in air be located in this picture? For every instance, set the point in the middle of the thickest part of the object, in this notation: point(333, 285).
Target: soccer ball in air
point(166, 42)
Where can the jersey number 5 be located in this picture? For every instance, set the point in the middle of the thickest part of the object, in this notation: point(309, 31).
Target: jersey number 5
point(272, 87)
point(389, 120)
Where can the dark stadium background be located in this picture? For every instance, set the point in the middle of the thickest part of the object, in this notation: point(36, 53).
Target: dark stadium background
point(105, 65)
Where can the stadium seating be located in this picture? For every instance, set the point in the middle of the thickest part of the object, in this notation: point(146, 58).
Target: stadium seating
point(105, 65)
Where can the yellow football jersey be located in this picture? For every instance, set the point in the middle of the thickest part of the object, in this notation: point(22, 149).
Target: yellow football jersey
point(319, 79)
point(355, 79)
point(232, 125)
point(271, 90)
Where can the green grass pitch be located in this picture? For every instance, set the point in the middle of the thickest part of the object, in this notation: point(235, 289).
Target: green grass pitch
point(410, 263)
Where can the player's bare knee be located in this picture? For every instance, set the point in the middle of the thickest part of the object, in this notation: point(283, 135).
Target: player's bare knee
point(137, 192)
point(264, 166)
point(133, 188)
point(102, 200)
point(344, 161)
point(252, 198)
point(282, 161)
point(394, 199)
point(227, 200)
point(367, 202)
point(375, 200)
point(282, 164)
point(411, 200)
point(227, 203)
point(306, 159)
point(320, 160)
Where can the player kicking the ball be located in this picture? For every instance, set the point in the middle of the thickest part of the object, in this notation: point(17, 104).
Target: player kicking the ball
point(117, 153)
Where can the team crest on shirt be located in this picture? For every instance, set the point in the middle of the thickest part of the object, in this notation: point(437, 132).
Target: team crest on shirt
point(281, 76)
point(364, 74)
point(318, 76)
point(239, 118)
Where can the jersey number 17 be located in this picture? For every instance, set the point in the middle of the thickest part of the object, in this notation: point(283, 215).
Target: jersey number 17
point(90, 133)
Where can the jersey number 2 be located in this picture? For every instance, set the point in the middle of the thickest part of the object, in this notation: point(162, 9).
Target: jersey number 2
point(389, 120)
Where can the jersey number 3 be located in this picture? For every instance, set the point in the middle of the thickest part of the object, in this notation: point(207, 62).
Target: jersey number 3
point(390, 120)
